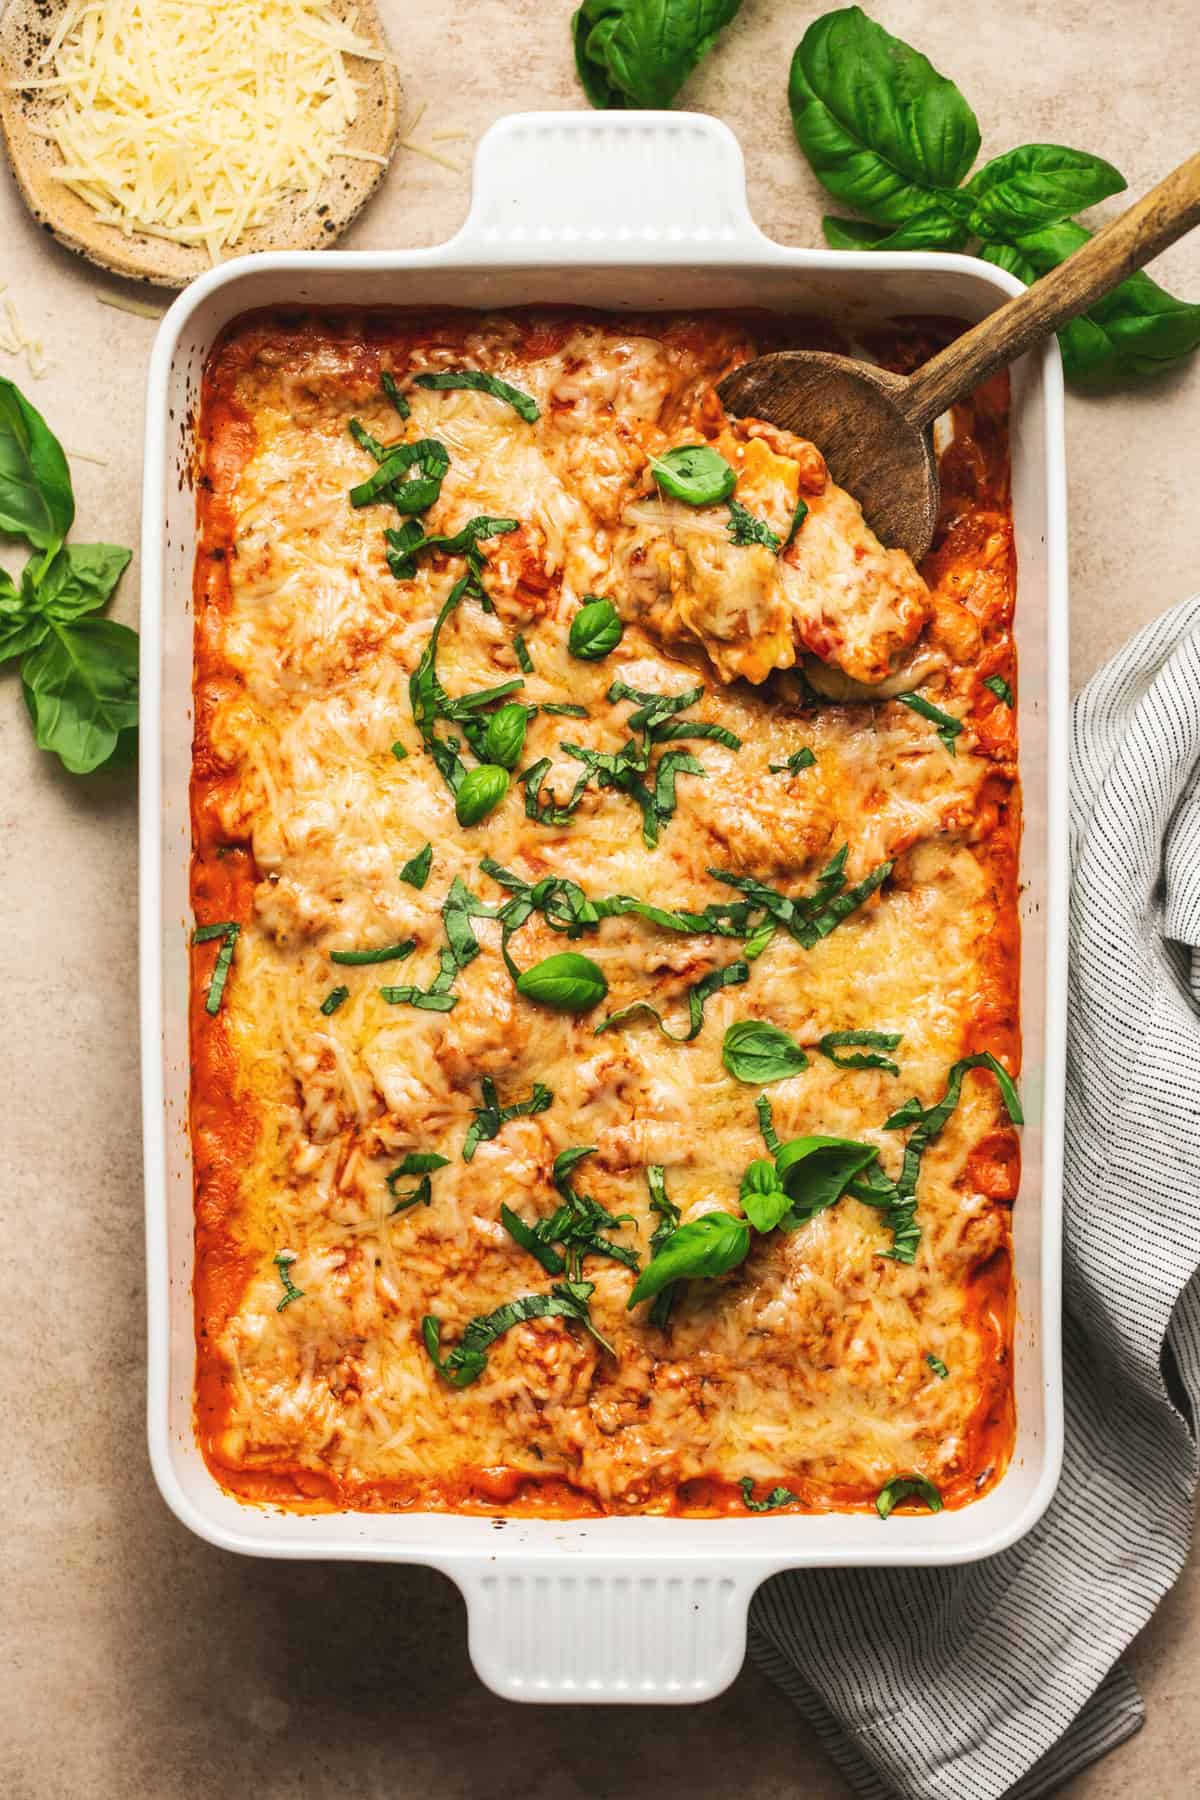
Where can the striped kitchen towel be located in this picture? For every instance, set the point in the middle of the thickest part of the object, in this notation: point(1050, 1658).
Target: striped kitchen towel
point(1002, 1677)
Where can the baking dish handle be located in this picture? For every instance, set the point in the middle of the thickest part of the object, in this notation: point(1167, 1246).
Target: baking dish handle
point(660, 1636)
point(661, 185)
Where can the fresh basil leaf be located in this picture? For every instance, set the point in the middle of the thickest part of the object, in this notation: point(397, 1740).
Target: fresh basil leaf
point(79, 580)
point(778, 1496)
point(884, 132)
point(595, 630)
point(392, 481)
point(694, 473)
point(701, 1250)
point(491, 1115)
point(765, 1201)
point(907, 1487)
point(81, 683)
point(1000, 688)
point(1036, 185)
point(283, 1261)
point(936, 228)
point(756, 1052)
point(416, 870)
point(745, 528)
point(36, 499)
point(873, 1041)
point(799, 759)
point(22, 626)
point(566, 981)
point(504, 738)
point(479, 793)
point(1135, 330)
point(480, 382)
point(229, 931)
point(640, 52)
point(948, 727)
point(386, 953)
point(938, 1366)
point(816, 1172)
point(336, 997)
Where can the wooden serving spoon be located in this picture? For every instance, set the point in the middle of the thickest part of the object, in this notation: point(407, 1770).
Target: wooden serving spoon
point(872, 427)
point(299, 222)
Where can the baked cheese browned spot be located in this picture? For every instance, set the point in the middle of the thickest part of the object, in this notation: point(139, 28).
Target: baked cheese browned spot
point(807, 1365)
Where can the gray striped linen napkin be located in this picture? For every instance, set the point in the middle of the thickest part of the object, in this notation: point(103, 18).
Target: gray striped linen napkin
point(1002, 1677)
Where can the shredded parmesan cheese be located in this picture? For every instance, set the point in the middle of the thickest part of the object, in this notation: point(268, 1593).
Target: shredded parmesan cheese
point(192, 120)
point(16, 341)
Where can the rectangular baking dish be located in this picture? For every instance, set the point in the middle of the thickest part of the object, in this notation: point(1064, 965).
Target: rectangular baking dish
point(643, 210)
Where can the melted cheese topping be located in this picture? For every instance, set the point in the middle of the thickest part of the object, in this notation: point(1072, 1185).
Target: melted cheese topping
point(192, 119)
point(807, 1365)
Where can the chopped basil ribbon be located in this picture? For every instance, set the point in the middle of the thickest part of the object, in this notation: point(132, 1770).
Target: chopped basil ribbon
point(399, 752)
point(334, 998)
point(755, 1052)
point(482, 383)
point(668, 1224)
point(766, 1123)
point(948, 727)
point(1000, 688)
point(417, 1162)
point(430, 701)
point(229, 931)
point(938, 1366)
point(479, 792)
point(833, 1041)
point(810, 917)
point(491, 1115)
point(578, 1224)
point(731, 975)
point(744, 528)
point(566, 981)
point(392, 481)
point(524, 660)
point(595, 630)
point(898, 1198)
point(695, 474)
point(283, 1260)
point(387, 953)
point(778, 1496)
point(563, 709)
point(458, 909)
point(701, 1250)
point(467, 1361)
point(365, 441)
point(798, 518)
point(388, 383)
point(409, 542)
point(416, 870)
point(799, 759)
point(907, 1487)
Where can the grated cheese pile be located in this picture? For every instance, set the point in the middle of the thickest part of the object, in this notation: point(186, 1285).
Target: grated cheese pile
point(192, 119)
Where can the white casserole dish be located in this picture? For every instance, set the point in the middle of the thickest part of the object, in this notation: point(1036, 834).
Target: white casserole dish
point(622, 210)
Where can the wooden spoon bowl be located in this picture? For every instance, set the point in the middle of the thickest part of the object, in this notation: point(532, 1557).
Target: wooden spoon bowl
point(873, 427)
point(299, 222)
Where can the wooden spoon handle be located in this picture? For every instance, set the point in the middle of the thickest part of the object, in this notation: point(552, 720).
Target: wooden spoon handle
point(1150, 226)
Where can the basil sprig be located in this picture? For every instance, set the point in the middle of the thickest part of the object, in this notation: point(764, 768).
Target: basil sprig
point(466, 1362)
point(778, 1496)
point(694, 473)
point(228, 930)
point(578, 1224)
point(890, 136)
point(640, 52)
point(79, 674)
point(417, 1162)
point(491, 1115)
point(756, 1052)
point(906, 1487)
point(701, 1250)
point(481, 382)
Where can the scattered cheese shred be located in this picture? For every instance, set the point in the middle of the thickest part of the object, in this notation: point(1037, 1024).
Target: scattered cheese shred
point(141, 309)
point(16, 341)
point(192, 120)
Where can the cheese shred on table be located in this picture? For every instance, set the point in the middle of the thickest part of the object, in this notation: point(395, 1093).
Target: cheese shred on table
point(327, 850)
point(193, 119)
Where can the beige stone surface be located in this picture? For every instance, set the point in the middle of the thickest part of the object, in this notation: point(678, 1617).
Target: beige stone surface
point(136, 1663)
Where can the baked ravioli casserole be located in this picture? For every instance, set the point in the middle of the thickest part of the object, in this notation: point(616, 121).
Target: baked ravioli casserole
point(605, 971)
